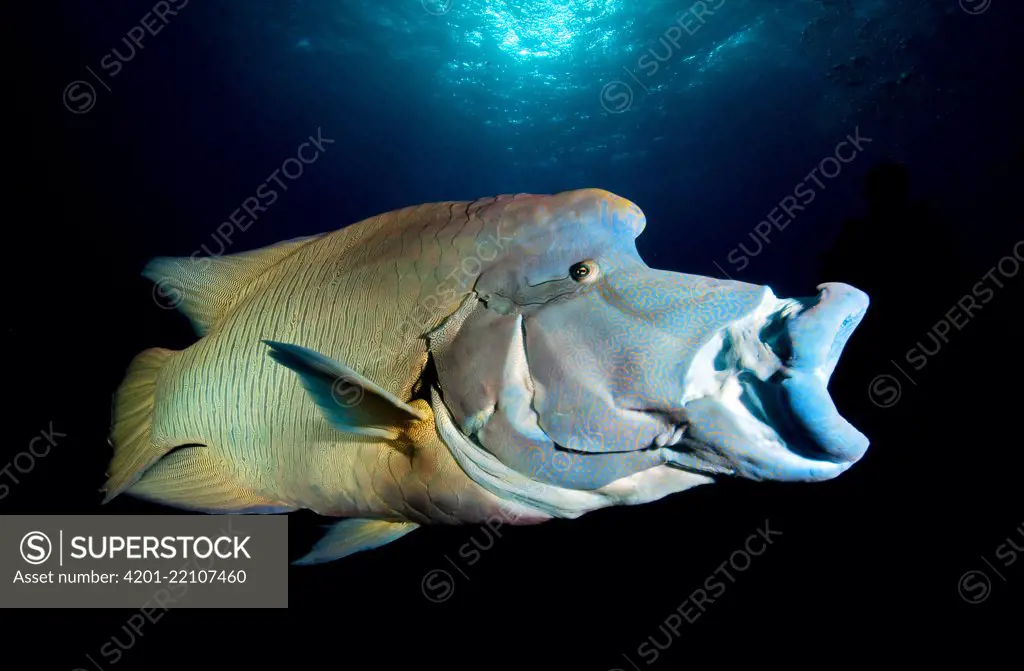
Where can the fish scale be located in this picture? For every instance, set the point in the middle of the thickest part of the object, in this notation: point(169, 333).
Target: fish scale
point(570, 376)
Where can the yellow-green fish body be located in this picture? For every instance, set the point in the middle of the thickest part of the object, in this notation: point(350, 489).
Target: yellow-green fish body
point(454, 363)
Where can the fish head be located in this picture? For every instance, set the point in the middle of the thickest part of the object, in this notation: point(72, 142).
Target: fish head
point(573, 351)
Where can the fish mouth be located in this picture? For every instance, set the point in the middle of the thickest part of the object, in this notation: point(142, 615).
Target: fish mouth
point(783, 425)
point(817, 338)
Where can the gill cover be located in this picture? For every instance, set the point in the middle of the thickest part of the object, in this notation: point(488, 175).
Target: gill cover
point(576, 348)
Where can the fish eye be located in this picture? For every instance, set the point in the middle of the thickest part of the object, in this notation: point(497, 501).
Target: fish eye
point(583, 271)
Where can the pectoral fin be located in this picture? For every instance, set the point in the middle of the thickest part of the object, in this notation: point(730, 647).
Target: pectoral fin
point(349, 401)
point(355, 535)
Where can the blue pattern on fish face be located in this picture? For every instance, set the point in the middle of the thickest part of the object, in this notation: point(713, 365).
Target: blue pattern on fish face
point(622, 351)
point(578, 378)
point(598, 353)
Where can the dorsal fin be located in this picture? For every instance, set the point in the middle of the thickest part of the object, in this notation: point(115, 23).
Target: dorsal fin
point(202, 287)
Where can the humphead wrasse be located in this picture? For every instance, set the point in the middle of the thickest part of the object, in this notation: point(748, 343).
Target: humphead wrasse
point(511, 358)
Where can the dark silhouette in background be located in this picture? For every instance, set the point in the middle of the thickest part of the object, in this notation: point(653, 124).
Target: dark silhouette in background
point(902, 253)
point(930, 385)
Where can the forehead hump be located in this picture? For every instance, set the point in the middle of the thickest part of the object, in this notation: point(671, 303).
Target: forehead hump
point(588, 212)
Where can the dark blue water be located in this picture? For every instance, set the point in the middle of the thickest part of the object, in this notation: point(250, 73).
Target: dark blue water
point(150, 136)
point(706, 115)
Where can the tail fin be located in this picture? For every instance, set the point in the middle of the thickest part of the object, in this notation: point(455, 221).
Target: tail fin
point(132, 421)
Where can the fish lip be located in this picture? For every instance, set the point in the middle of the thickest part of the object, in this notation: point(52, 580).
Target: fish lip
point(782, 425)
point(570, 450)
point(818, 334)
point(817, 337)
